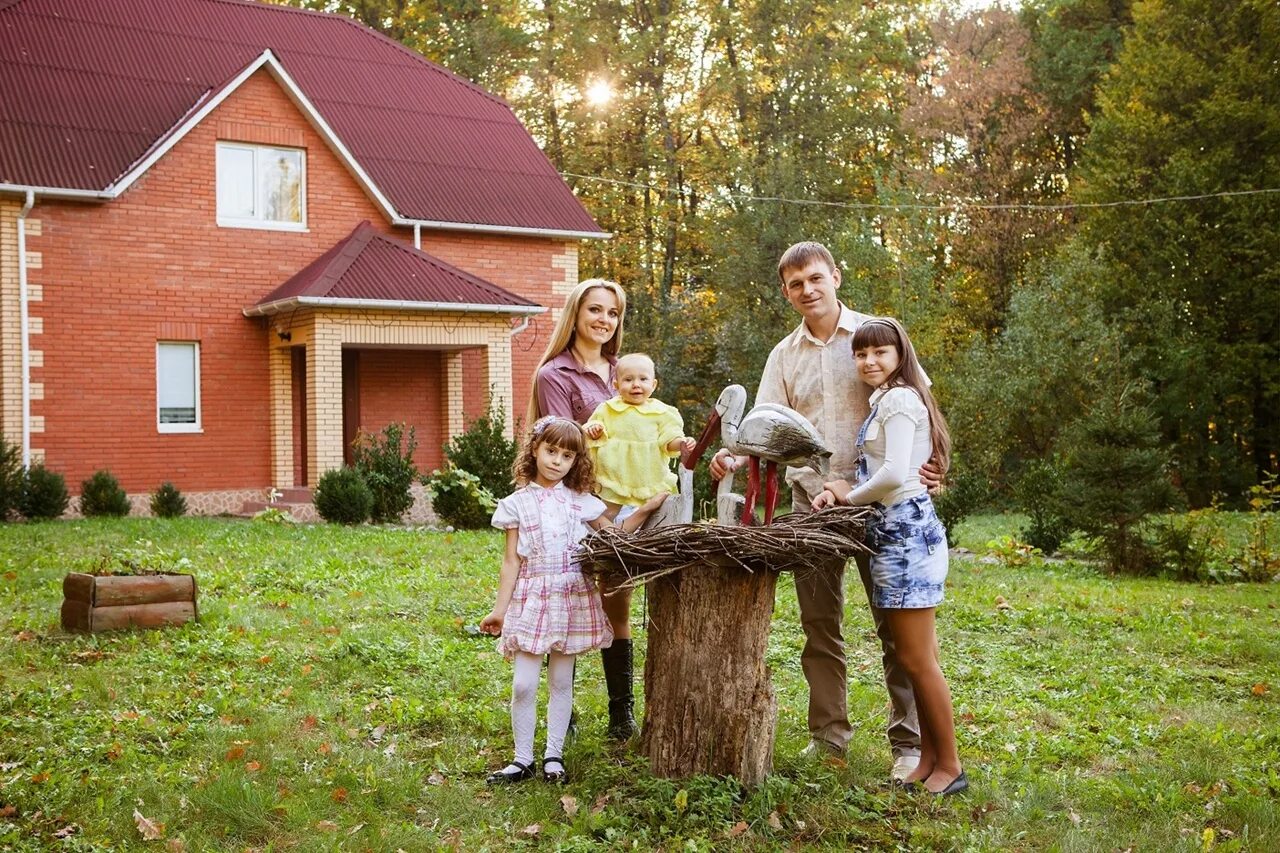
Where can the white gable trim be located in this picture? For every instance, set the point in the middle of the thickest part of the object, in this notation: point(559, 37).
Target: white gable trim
point(293, 302)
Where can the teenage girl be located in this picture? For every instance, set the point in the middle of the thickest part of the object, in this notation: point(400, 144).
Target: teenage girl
point(546, 606)
point(904, 431)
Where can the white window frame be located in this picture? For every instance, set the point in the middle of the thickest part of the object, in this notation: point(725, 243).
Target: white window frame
point(198, 426)
point(259, 152)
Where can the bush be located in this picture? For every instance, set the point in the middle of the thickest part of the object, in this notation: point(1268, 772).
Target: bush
point(101, 495)
point(10, 478)
point(343, 497)
point(485, 451)
point(385, 461)
point(458, 498)
point(1039, 494)
point(44, 493)
point(966, 493)
point(168, 502)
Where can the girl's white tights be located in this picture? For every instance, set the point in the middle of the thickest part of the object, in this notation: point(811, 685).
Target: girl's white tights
point(524, 704)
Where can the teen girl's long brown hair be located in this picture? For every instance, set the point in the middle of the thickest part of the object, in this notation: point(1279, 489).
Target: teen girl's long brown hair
point(562, 433)
point(562, 336)
point(884, 332)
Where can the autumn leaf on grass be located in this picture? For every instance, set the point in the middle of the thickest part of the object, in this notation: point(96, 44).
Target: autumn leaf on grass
point(147, 828)
point(600, 803)
point(8, 811)
point(67, 831)
point(252, 766)
point(1002, 603)
point(435, 778)
point(264, 660)
point(306, 669)
point(570, 804)
point(774, 821)
point(325, 748)
point(175, 845)
point(737, 829)
point(339, 795)
point(115, 751)
point(309, 722)
point(532, 830)
point(235, 753)
point(40, 778)
point(1261, 689)
point(25, 636)
point(327, 826)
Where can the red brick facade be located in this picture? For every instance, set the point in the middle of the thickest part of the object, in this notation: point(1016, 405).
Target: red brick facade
point(116, 277)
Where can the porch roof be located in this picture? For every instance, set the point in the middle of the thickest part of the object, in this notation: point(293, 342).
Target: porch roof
point(366, 269)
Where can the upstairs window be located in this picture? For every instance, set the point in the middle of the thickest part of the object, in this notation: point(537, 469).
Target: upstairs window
point(261, 187)
point(178, 386)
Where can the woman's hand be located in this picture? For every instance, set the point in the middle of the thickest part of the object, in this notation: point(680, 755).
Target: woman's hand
point(724, 462)
point(931, 477)
point(492, 624)
point(824, 500)
point(839, 488)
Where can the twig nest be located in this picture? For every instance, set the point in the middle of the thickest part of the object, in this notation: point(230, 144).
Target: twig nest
point(793, 543)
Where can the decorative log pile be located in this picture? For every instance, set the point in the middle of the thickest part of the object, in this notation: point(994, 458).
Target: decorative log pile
point(792, 543)
point(109, 602)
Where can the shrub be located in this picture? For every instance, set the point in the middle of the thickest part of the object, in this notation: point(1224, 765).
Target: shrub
point(343, 497)
point(1039, 494)
point(10, 478)
point(485, 451)
point(44, 493)
point(385, 461)
point(967, 492)
point(168, 502)
point(101, 495)
point(458, 498)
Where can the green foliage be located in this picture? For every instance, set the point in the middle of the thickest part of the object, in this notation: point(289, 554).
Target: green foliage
point(385, 461)
point(485, 451)
point(1115, 476)
point(966, 492)
point(343, 497)
point(10, 478)
point(168, 502)
point(44, 494)
point(1039, 494)
point(102, 495)
point(459, 499)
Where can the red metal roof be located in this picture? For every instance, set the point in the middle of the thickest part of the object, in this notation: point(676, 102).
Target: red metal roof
point(88, 87)
point(366, 265)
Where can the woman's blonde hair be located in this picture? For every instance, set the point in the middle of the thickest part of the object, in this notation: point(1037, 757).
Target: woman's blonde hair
point(562, 336)
point(885, 332)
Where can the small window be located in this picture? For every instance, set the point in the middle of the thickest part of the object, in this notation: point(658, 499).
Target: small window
point(261, 187)
point(178, 386)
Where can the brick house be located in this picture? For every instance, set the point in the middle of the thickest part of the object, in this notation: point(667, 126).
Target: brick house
point(232, 235)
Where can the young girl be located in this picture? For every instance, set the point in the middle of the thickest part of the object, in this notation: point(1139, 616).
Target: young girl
point(546, 606)
point(903, 431)
point(633, 436)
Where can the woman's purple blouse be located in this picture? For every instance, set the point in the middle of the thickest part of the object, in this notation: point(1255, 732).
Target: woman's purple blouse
point(569, 390)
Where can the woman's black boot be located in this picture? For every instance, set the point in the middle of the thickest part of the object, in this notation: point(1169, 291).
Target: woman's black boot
point(617, 680)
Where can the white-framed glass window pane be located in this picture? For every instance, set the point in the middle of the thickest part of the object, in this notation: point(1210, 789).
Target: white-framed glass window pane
point(178, 386)
point(260, 186)
point(235, 182)
point(280, 182)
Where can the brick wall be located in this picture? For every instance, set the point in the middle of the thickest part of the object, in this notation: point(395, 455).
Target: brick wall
point(404, 387)
point(113, 278)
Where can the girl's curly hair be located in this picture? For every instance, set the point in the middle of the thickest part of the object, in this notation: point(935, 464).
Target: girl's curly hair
point(567, 435)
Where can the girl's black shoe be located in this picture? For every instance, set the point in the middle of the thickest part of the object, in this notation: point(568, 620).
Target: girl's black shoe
point(958, 785)
point(555, 777)
point(510, 777)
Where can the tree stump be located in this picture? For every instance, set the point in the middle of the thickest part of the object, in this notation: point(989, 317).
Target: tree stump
point(709, 701)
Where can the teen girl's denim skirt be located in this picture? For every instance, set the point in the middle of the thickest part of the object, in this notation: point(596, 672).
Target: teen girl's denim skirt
point(909, 559)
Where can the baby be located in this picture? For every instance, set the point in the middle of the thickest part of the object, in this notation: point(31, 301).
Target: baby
point(633, 436)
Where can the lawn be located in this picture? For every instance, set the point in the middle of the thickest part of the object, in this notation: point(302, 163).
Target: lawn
point(330, 698)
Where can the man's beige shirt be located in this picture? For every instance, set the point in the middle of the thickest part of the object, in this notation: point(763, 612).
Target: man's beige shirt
point(819, 379)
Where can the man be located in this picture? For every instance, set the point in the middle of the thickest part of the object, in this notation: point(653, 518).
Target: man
point(812, 371)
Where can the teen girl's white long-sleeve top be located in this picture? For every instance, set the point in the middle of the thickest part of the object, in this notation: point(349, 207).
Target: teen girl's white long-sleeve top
point(898, 442)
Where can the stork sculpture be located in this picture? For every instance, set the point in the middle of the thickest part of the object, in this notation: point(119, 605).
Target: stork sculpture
point(770, 432)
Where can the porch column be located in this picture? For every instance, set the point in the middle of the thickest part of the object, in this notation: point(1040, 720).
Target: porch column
point(454, 422)
point(280, 377)
point(498, 361)
point(324, 399)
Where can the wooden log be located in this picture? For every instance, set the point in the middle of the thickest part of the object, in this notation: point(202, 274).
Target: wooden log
point(115, 590)
point(709, 701)
point(80, 616)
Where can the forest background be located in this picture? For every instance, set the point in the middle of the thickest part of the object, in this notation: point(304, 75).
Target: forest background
point(1073, 205)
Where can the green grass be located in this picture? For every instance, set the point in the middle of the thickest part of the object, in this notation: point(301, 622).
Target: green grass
point(329, 699)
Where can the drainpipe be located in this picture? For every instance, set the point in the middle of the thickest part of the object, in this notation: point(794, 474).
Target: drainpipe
point(24, 325)
point(417, 236)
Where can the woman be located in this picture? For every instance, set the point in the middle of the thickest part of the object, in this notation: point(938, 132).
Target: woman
point(575, 375)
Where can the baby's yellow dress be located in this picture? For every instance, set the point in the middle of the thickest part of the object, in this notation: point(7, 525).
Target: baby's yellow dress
point(632, 458)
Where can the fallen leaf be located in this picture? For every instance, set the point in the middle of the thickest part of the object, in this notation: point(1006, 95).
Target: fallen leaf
point(67, 831)
point(309, 722)
point(147, 828)
point(339, 795)
point(1073, 817)
point(306, 668)
point(252, 766)
point(353, 830)
point(1002, 604)
point(569, 804)
point(435, 779)
point(176, 845)
point(11, 576)
point(453, 839)
point(333, 630)
point(114, 751)
point(235, 753)
point(376, 734)
point(8, 811)
point(390, 750)
point(774, 822)
point(40, 778)
point(532, 830)
point(286, 692)
point(25, 636)
point(1261, 689)
point(600, 803)
point(737, 829)
point(265, 659)
point(325, 748)
point(327, 826)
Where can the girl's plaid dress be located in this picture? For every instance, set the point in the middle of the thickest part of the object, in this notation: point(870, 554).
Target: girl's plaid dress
point(554, 607)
